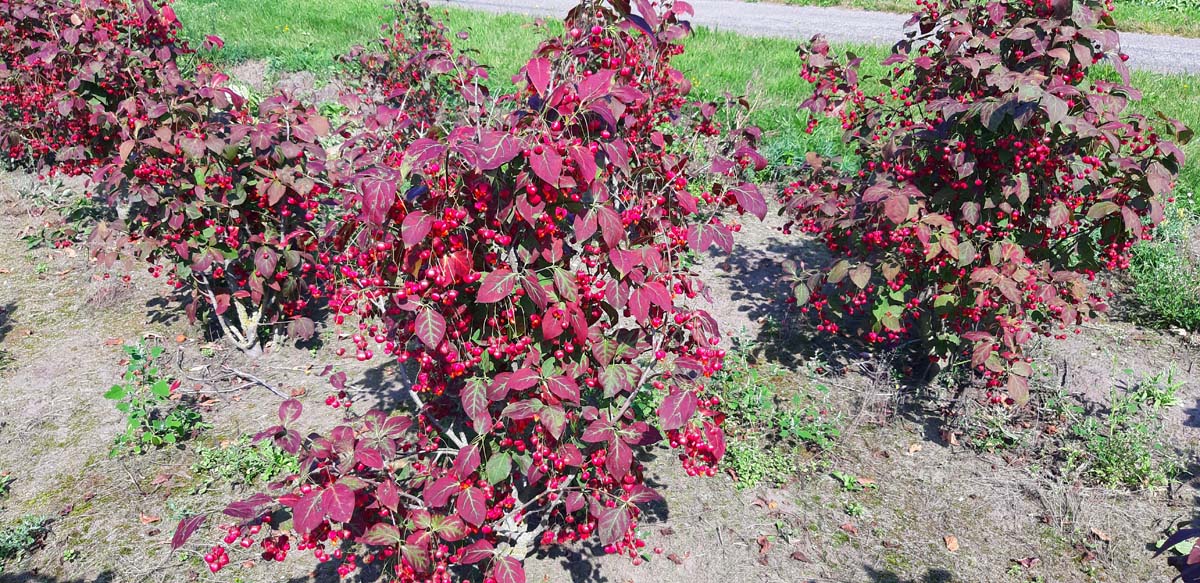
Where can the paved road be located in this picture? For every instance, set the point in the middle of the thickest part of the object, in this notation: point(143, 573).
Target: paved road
point(1164, 54)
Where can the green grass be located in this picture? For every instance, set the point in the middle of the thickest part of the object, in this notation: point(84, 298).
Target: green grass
point(1166, 277)
point(1173, 17)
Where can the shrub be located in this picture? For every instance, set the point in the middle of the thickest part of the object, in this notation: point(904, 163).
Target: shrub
point(999, 180)
point(224, 201)
point(152, 418)
point(66, 65)
point(520, 258)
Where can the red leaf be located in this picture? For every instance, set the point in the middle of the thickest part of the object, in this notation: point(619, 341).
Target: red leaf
point(306, 512)
point(611, 227)
point(475, 404)
point(466, 461)
point(187, 527)
point(338, 502)
point(415, 227)
point(289, 411)
point(508, 570)
point(547, 165)
point(564, 388)
point(676, 409)
point(388, 495)
point(750, 199)
point(612, 524)
point(368, 456)
point(378, 196)
point(382, 535)
point(496, 286)
point(476, 551)
point(438, 493)
point(896, 208)
point(497, 149)
point(620, 457)
point(538, 71)
point(431, 327)
point(472, 506)
point(523, 379)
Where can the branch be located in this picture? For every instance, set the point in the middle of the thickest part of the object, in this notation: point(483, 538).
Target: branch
point(255, 380)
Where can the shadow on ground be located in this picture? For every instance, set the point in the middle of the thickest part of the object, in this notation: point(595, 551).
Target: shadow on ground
point(6, 319)
point(931, 576)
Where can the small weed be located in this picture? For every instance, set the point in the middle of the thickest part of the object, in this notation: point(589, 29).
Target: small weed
point(850, 482)
point(42, 268)
point(753, 465)
point(70, 555)
point(7, 361)
point(242, 463)
point(853, 509)
point(1124, 448)
point(6, 481)
point(766, 429)
point(18, 539)
point(152, 419)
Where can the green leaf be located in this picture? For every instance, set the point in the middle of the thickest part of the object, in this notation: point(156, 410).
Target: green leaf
point(161, 389)
point(116, 393)
point(498, 468)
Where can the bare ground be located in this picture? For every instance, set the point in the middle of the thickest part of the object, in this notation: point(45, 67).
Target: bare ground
point(937, 512)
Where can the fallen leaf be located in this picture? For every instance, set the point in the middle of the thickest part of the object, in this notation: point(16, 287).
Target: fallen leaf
point(153, 532)
point(668, 531)
point(1028, 562)
point(887, 544)
point(951, 543)
point(63, 272)
point(5, 270)
point(298, 391)
point(849, 528)
point(674, 558)
point(113, 342)
point(180, 339)
point(867, 482)
point(764, 544)
point(66, 510)
point(160, 479)
point(914, 448)
point(149, 519)
point(950, 437)
point(24, 332)
point(799, 556)
point(1100, 534)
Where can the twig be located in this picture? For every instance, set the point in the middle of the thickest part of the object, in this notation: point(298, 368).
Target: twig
point(255, 380)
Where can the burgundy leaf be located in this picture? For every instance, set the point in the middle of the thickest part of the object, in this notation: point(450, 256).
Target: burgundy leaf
point(289, 411)
point(508, 570)
point(472, 506)
point(612, 524)
point(337, 501)
point(431, 327)
point(496, 286)
point(438, 492)
point(539, 72)
point(676, 409)
point(547, 163)
point(187, 527)
point(466, 462)
point(415, 227)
